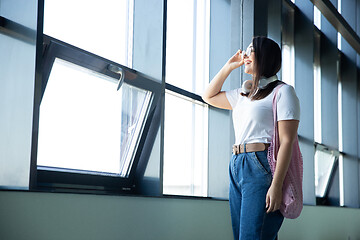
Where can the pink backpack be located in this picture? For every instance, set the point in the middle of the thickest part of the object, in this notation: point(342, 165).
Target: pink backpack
point(292, 202)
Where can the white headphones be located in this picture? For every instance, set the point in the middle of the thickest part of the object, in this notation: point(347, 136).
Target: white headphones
point(263, 82)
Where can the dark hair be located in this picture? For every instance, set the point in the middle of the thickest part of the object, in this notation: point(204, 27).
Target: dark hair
point(267, 64)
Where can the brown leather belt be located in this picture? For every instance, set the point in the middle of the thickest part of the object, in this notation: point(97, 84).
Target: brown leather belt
point(250, 147)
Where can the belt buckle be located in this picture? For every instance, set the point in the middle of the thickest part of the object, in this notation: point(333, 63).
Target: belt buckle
point(236, 149)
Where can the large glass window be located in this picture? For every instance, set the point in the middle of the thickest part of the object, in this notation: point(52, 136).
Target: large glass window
point(94, 116)
point(329, 172)
point(187, 73)
point(185, 154)
point(187, 44)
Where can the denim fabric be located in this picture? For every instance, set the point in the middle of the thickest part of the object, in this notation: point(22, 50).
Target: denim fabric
point(250, 179)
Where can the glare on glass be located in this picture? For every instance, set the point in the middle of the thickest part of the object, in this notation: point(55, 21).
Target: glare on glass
point(103, 27)
point(86, 124)
point(185, 147)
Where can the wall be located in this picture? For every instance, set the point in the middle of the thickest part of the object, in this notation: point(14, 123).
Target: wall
point(317, 222)
point(30, 215)
point(219, 156)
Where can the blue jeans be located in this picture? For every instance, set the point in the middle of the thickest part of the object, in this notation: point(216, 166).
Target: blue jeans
point(250, 179)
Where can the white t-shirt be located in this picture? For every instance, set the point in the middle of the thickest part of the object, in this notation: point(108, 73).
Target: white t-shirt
point(254, 121)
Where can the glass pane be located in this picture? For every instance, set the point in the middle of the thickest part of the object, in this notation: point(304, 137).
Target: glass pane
point(187, 44)
point(324, 165)
point(17, 81)
point(101, 27)
point(317, 91)
point(86, 124)
point(185, 147)
point(317, 17)
point(288, 49)
point(339, 41)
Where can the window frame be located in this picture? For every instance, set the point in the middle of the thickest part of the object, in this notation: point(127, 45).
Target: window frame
point(48, 178)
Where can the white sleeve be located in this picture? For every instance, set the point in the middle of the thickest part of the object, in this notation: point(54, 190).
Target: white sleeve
point(233, 96)
point(288, 105)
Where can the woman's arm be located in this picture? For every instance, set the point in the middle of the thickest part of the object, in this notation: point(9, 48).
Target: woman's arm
point(287, 135)
point(213, 94)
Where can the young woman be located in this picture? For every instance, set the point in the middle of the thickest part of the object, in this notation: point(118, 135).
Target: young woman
point(255, 195)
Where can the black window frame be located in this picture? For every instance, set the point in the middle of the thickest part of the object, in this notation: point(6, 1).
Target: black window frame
point(57, 179)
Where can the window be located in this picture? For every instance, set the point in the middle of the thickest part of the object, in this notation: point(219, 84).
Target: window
point(340, 129)
point(104, 124)
point(317, 90)
point(185, 154)
point(325, 165)
point(187, 74)
point(317, 17)
point(329, 172)
point(288, 48)
point(187, 44)
point(94, 115)
point(103, 27)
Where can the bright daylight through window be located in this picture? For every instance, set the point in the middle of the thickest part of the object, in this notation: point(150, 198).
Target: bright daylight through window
point(86, 124)
point(187, 67)
point(104, 28)
point(288, 48)
point(185, 156)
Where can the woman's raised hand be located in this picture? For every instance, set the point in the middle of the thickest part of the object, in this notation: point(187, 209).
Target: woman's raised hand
point(236, 60)
point(213, 94)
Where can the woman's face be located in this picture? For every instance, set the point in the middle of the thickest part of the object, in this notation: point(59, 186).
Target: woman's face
point(249, 59)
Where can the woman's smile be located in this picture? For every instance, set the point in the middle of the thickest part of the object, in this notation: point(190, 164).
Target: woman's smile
point(248, 66)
